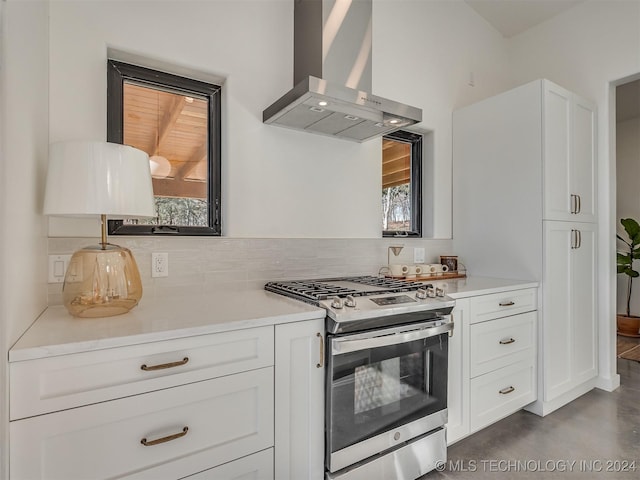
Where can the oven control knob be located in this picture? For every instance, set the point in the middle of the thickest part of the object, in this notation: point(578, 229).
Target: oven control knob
point(421, 293)
point(431, 293)
point(337, 302)
point(350, 302)
point(439, 292)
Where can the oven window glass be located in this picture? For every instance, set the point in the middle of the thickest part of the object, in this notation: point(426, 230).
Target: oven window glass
point(374, 390)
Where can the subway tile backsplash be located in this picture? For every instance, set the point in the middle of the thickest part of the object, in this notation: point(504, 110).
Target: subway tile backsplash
point(200, 264)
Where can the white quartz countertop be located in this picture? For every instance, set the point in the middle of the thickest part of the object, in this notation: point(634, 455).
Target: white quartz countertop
point(56, 332)
point(474, 286)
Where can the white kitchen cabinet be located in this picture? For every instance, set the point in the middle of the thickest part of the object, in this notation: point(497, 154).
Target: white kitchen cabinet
point(502, 355)
point(458, 374)
point(162, 434)
point(525, 160)
point(299, 400)
point(492, 358)
point(164, 409)
point(568, 155)
point(570, 350)
point(61, 382)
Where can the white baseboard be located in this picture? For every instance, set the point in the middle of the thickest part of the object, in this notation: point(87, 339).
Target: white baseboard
point(608, 384)
point(543, 408)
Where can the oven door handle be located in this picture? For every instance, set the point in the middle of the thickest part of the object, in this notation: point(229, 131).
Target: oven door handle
point(355, 343)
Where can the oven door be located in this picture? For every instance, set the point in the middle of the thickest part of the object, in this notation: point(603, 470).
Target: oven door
point(384, 387)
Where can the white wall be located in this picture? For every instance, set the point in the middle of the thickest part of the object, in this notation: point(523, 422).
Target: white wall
point(24, 135)
point(276, 182)
point(424, 52)
point(628, 199)
point(583, 49)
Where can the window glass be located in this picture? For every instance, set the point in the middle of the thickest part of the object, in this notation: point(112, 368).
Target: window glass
point(401, 184)
point(176, 121)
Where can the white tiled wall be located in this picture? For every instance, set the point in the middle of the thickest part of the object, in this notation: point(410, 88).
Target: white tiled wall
point(205, 263)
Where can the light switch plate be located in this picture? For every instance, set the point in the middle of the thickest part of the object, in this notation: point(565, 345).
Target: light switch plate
point(418, 255)
point(57, 267)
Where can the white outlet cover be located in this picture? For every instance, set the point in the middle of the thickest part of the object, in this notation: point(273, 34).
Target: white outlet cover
point(57, 267)
point(159, 265)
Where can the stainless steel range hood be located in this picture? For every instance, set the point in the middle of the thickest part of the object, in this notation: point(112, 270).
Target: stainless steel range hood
point(332, 76)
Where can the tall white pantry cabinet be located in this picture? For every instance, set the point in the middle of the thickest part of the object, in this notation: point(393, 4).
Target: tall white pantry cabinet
point(525, 208)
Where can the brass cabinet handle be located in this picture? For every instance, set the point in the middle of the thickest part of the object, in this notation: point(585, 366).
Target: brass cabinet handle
point(505, 391)
point(574, 240)
point(507, 304)
point(164, 365)
point(579, 206)
point(579, 239)
point(507, 342)
point(168, 438)
point(320, 364)
point(573, 204)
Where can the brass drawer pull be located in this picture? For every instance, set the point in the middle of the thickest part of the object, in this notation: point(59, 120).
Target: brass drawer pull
point(507, 304)
point(168, 438)
point(505, 391)
point(507, 342)
point(321, 362)
point(164, 365)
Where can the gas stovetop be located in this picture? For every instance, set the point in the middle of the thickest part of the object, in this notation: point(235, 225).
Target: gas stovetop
point(312, 291)
point(386, 301)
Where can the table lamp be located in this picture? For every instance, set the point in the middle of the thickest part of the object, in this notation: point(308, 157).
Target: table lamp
point(90, 179)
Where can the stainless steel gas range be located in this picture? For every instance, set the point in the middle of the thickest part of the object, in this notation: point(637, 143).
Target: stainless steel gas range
point(386, 382)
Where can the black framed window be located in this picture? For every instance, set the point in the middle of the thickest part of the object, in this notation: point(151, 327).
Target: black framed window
point(176, 120)
point(402, 184)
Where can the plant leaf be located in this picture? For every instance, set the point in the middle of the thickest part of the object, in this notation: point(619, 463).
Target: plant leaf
point(633, 274)
point(632, 228)
point(623, 259)
point(621, 269)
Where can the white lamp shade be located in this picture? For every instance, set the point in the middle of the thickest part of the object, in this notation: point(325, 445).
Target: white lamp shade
point(98, 178)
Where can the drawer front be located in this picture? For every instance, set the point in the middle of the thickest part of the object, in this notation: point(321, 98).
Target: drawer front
point(258, 466)
point(501, 342)
point(204, 424)
point(500, 393)
point(497, 305)
point(58, 383)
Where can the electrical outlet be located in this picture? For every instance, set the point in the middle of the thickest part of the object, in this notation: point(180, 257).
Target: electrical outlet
point(418, 255)
point(57, 267)
point(159, 264)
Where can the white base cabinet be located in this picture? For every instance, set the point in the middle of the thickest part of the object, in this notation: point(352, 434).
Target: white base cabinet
point(244, 404)
point(299, 404)
point(492, 359)
point(458, 374)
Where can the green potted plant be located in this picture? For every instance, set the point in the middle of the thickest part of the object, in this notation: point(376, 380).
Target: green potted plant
point(629, 325)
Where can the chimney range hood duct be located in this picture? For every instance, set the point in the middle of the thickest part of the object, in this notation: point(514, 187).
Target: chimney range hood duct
point(332, 75)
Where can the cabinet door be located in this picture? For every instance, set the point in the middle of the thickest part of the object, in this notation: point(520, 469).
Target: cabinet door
point(583, 159)
point(458, 375)
point(299, 400)
point(557, 294)
point(557, 152)
point(569, 350)
point(583, 304)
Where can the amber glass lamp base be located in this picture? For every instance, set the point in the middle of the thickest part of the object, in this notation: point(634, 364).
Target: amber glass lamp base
point(101, 281)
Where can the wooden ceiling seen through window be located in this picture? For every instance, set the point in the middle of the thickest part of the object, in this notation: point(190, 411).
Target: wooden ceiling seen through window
point(396, 163)
point(172, 129)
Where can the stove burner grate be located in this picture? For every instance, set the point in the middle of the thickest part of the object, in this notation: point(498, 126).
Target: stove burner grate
point(313, 291)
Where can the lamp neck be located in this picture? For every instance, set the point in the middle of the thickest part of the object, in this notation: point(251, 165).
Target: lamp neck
point(103, 221)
